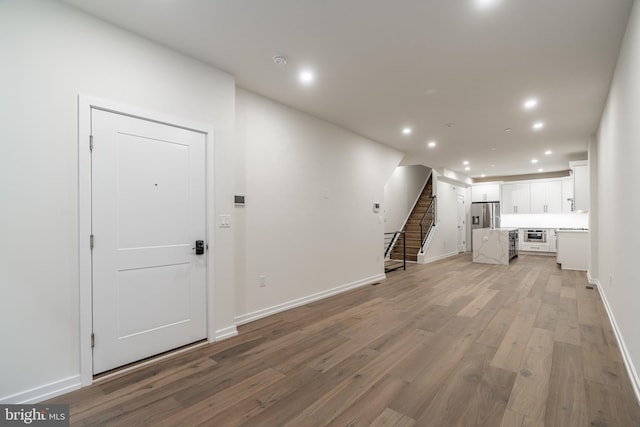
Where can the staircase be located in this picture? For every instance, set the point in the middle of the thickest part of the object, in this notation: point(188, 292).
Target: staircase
point(412, 226)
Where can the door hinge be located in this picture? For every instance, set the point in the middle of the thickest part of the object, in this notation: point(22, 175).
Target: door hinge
point(91, 241)
point(90, 142)
point(93, 340)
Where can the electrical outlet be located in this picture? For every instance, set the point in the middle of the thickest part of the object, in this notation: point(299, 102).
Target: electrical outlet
point(263, 281)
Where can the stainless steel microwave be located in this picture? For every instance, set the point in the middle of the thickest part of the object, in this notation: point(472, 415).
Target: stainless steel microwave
point(537, 236)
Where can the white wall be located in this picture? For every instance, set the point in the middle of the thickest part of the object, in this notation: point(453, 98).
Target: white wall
point(445, 239)
point(618, 204)
point(401, 193)
point(309, 225)
point(51, 53)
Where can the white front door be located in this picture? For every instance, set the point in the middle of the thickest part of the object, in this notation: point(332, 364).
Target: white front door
point(148, 210)
point(462, 228)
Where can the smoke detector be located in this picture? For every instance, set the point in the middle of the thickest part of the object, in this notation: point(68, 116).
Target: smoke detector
point(280, 60)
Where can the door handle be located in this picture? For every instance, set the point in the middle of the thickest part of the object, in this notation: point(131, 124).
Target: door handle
point(199, 247)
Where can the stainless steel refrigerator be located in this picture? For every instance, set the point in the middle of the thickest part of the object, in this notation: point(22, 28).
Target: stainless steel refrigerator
point(484, 215)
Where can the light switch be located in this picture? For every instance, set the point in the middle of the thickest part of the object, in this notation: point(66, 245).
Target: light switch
point(225, 221)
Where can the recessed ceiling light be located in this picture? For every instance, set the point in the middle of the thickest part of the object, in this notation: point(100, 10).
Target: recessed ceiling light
point(482, 176)
point(406, 131)
point(534, 161)
point(467, 168)
point(306, 77)
point(540, 170)
point(507, 130)
point(530, 103)
point(538, 125)
point(548, 152)
point(465, 162)
point(481, 4)
point(432, 144)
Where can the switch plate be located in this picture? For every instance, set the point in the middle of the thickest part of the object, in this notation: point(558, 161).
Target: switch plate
point(225, 221)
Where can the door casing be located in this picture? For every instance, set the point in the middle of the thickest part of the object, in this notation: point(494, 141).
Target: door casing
point(85, 105)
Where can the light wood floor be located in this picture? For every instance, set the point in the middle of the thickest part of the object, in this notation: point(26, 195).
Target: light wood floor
point(445, 344)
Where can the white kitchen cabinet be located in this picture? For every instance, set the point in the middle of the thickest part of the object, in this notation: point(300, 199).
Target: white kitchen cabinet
point(485, 193)
point(573, 250)
point(567, 195)
point(516, 198)
point(580, 171)
point(546, 197)
point(547, 248)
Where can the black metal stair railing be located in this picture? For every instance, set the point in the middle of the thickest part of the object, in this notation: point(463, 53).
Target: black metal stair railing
point(428, 221)
point(391, 241)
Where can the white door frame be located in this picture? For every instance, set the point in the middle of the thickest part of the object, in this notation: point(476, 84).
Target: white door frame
point(85, 104)
point(462, 231)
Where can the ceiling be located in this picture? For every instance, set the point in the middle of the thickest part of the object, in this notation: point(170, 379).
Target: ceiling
point(456, 71)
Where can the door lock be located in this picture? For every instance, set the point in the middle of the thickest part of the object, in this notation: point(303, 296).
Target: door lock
point(199, 247)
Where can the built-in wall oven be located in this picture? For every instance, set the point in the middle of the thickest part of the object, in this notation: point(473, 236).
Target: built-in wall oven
point(535, 236)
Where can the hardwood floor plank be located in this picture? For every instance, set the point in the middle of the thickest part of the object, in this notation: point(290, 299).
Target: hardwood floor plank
point(531, 387)
point(391, 418)
point(448, 406)
point(435, 317)
point(546, 317)
point(567, 329)
point(598, 367)
point(211, 405)
point(372, 403)
point(566, 403)
point(489, 402)
point(476, 306)
point(437, 364)
point(608, 406)
point(511, 350)
point(494, 333)
point(348, 391)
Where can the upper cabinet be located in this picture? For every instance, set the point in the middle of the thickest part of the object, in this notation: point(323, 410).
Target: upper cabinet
point(580, 171)
point(546, 197)
point(567, 195)
point(485, 193)
point(549, 196)
point(516, 198)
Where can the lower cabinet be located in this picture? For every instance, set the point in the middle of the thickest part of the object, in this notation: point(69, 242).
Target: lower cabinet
point(573, 250)
point(548, 246)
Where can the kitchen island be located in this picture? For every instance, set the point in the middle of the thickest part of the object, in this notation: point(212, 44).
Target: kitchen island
point(495, 245)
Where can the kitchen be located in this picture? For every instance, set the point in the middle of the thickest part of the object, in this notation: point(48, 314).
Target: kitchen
point(547, 216)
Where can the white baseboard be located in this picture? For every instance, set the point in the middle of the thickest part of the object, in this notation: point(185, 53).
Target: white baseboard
point(224, 333)
point(250, 317)
point(438, 257)
point(628, 362)
point(591, 279)
point(44, 392)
